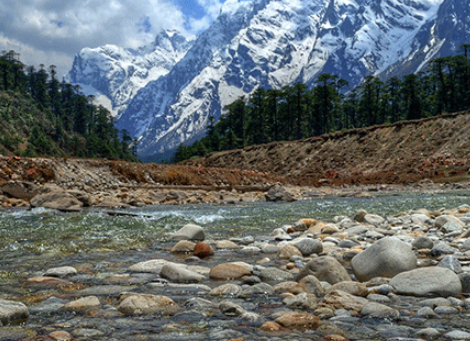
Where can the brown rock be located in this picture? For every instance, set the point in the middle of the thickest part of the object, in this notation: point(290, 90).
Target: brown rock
point(341, 300)
point(20, 190)
point(61, 335)
point(326, 269)
point(288, 251)
point(183, 246)
point(59, 200)
point(304, 224)
point(203, 250)
point(229, 271)
point(335, 338)
point(271, 326)
point(83, 303)
point(316, 228)
point(350, 287)
point(301, 321)
point(138, 304)
point(226, 245)
point(48, 282)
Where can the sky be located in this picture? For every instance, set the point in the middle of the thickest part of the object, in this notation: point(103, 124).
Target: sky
point(52, 32)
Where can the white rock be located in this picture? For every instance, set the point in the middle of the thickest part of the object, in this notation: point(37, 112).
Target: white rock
point(61, 271)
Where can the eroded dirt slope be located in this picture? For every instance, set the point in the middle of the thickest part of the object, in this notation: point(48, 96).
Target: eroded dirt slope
point(436, 148)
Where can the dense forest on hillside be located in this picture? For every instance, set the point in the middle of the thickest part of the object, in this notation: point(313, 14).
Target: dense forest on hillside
point(42, 116)
point(297, 112)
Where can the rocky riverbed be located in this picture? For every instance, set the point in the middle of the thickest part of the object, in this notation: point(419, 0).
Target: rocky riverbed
point(357, 277)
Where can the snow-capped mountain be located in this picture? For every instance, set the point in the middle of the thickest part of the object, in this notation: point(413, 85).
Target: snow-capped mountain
point(114, 75)
point(273, 43)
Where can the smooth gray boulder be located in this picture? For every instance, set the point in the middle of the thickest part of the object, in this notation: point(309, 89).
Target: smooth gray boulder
point(12, 311)
point(279, 193)
point(430, 281)
point(373, 219)
point(465, 281)
point(448, 223)
point(189, 232)
point(308, 246)
point(326, 269)
point(423, 242)
point(303, 301)
point(385, 258)
point(452, 263)
point(380, 311)
point(273, 274)
point(180, 273)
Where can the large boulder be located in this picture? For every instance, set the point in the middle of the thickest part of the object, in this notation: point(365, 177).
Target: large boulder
point(58, 200)
point(385, 258)
point(180, 273)
point(20, 189)
point(430, 281)
point(189, 232)
point(12, 311)
point(326, 269)
point(150, 266)
point(449, 223)
point(279, 193)
point(308, 246)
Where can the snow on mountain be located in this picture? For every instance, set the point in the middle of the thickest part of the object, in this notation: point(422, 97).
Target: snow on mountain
point(274, 43)
point(114, 75)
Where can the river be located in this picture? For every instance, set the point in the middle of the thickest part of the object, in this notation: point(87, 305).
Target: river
point(100, 244)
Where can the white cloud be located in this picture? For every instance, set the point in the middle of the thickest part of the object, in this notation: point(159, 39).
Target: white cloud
point(42, 30)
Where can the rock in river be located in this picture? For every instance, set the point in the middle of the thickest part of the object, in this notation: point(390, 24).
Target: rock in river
point(228, 271)
point(385, 258)
point(180, 273)
point(189, 232)
point(137, 304)
point(430, 281)
point(301, 321)
point(326, 269)
point(12, 311)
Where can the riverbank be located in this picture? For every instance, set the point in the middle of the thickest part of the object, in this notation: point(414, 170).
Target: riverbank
point(356, 276)
point(73, 184)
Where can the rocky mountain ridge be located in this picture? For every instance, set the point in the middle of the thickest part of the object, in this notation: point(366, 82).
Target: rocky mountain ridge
point(274, 43)
point(114, 75)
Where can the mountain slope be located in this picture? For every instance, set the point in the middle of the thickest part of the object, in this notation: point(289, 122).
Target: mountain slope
point(408, 151)
point(274, 43)
point(114, 74)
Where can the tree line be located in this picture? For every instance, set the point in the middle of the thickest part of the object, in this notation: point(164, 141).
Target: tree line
point(298, 112)
point(65, 121)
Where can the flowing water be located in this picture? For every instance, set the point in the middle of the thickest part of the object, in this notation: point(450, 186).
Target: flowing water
point(25, 233)
point(31, 241)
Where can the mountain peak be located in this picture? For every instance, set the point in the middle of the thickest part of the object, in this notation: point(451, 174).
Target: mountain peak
point(274, 43)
